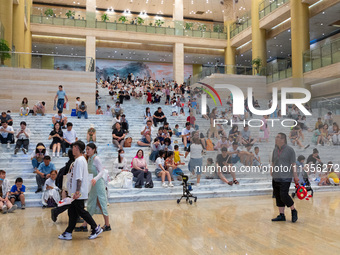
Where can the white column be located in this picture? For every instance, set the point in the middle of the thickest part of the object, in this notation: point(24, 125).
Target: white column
point(178, 17)
point(91, 13)
point(90, 51)
point(178, 62)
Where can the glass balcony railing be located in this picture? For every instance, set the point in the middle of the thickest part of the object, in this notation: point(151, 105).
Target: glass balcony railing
point(223, 69)
point(325, 55)
point(267, 6)
point(240, 25)
point(109, 20)
point(279, 70)
point(47, 61)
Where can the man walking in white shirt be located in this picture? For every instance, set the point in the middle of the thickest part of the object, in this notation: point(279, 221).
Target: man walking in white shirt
point(78, 189)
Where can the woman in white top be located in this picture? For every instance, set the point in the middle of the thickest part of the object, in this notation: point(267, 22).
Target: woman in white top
point(196, 156)
point(160, 170)
point(50, 189)
point(147, 115)
point(97, 195)
point(115, 120)
point(120, 164)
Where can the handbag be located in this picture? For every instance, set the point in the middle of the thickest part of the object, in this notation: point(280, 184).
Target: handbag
point(65, 179)
point(128, 142)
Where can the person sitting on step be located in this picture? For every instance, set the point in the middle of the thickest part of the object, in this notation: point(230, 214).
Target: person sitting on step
point(6, 134)
point(24, 109)
point(39, 107)
point(158, 116)
point(61, 118)
point(43, 172)
point(118, 136)
point(70, 136)
point(22, 135)
point(161, 171)
point(82, 110)
point(91, 134)
point(5, 188)
point(57, 136)
point(17, 192)
point(50, 196)
point(140, 171)
point(146, 133)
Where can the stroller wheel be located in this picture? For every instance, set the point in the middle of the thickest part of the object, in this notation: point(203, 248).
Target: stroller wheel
point(178, 200)
point(190, 202)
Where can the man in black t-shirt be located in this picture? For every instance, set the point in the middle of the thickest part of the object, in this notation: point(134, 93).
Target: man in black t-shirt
point(158, 116)
point(118, 136)
point(223, 165)
point(314, 158)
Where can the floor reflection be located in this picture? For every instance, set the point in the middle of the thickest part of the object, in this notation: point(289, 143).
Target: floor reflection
point(236, 225)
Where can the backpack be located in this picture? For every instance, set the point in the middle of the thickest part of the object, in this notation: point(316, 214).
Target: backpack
point(128, 142)
point(210, 146)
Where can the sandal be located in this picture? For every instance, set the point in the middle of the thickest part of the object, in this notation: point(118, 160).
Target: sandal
point(236, 182)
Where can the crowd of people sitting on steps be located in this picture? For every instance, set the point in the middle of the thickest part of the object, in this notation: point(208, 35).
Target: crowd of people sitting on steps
point(232, 147)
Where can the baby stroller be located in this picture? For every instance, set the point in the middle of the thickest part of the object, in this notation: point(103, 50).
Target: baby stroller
point(186, 190)
point(306, 184)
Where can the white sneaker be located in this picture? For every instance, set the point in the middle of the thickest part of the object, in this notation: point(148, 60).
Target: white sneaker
point(164, 185)
point(4, 209)
point(171, 185)
point(95, 232)
point(57, 154)
point(8, 145)
point(65, 236)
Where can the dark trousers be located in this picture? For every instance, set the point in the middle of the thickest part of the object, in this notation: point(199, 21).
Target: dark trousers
point(64, 145)
point(140, 175)
point(158, 120)
point(281, 192)
point(23, 142)
point(8, 139)
point(75, 210)
point(61, 209)
point(40, 181)
point(60, 104)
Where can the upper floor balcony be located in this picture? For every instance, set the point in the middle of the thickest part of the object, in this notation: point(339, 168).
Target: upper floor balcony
point(106, 20)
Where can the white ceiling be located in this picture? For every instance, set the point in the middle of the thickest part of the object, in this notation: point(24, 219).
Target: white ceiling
point(212, 8)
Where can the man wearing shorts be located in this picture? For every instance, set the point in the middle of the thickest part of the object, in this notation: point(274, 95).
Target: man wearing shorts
point(146, 135)
point(282, 171)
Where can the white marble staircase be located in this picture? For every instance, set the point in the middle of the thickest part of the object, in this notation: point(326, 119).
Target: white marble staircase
point(250, 183)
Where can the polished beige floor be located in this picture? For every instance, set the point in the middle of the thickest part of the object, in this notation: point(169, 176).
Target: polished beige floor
point(238, 225)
